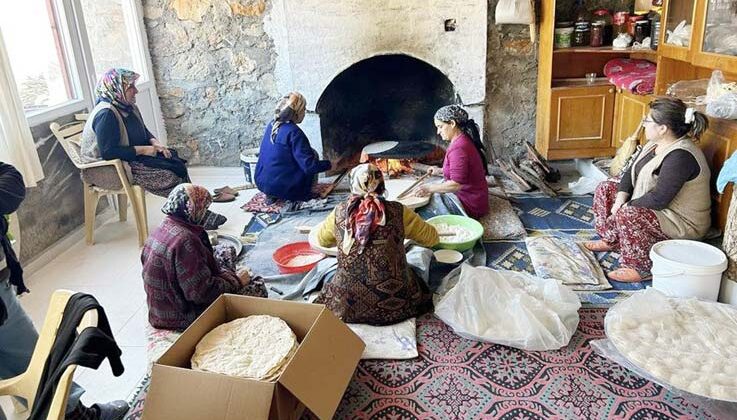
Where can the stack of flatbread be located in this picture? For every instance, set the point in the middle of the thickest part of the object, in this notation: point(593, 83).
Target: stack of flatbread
point(256, 347)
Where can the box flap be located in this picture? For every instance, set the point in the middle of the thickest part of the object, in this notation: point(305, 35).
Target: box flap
point(184, 394)
point(319, 372)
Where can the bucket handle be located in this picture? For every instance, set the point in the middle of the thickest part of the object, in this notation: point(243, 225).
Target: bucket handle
point(668, 274)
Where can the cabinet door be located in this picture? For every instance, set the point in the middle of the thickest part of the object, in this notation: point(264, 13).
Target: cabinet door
point(715, 43)
point(677, 14)
point(629, 111)
point(581, 119)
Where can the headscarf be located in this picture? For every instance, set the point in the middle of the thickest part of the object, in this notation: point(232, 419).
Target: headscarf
point(452, 112)
point(365, 209)
point(188, 202)
point(112, 85)
point(288, 109)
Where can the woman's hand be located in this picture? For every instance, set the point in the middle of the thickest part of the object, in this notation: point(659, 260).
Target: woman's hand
point(424, 190)
point(434, 170)
point(145, 150)
point(243, 276)
point(160, 148)
point(619, 202)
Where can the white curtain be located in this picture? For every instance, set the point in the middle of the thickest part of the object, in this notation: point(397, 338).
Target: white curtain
point(16, 143)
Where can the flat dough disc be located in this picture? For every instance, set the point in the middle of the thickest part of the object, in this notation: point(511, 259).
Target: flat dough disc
point(394, 187)
point(691, 345)
point(255, 347)
point(378, 147)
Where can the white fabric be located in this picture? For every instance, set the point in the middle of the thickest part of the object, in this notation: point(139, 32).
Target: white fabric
point(514, 12)
point(510, 308)
point(16, 143)
point(685, 343)
point(398, 341)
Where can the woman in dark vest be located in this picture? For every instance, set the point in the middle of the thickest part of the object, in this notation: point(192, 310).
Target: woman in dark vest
point(373, 284)
point(664, 194)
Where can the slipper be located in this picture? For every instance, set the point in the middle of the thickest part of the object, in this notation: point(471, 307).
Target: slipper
point(226, 189)
point(598, 246)
point(223, 197)
point(625, 275)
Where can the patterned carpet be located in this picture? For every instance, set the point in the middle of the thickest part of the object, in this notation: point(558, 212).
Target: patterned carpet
point(459, 378)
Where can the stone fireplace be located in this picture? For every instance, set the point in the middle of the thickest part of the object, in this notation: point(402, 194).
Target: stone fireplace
point(377, 71)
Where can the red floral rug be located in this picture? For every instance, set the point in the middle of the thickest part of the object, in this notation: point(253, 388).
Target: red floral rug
point(458, 378)
point(258, 203)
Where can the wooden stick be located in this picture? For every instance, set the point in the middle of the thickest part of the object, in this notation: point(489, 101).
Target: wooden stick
point(411, 187)
point(334, 184)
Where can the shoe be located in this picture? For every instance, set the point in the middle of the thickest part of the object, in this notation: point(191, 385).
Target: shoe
point(113, 410)
point(227, 189)
point(625, 275)
point(598, 246)
point(212, 220)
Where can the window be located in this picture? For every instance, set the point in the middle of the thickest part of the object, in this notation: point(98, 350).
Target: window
point(111, 32)
point(37, 53)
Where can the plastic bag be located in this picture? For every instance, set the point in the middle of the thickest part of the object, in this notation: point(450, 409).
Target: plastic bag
point(724, 106)
point(691, 92)
point(510, 308)
point(680, 36)
point(514, 12)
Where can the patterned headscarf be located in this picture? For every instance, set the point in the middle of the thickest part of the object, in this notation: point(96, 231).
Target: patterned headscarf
point(365, 209)
point(112, 85)
point(188, 202)
point(289, 108)
point(452, 112)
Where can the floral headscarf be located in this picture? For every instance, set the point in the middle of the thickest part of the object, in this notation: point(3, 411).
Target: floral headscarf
point(452, 112)
point(365, 209)
point(188, 202)
point(112, 85)
point(288, 109)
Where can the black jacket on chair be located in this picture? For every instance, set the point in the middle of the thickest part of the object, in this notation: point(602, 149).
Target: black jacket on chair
point(12, 193)
point(88, 349)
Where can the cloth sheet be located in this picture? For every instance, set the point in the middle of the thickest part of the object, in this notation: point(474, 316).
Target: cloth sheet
point(259, 203)
point(502, 221)
point(566, 261)
point(398, 341)
point(635, 75)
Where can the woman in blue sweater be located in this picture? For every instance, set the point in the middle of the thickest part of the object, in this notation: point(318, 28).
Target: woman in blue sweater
point(287, 165)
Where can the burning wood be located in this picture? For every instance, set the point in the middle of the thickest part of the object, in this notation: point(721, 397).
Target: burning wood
point(394, 167)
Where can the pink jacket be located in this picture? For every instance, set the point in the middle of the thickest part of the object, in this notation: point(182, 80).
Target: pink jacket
point(463, 165)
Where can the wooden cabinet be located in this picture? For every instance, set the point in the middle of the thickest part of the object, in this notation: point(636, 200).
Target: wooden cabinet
point(581, 119)
point(629, 110)
point(676, 13)
point(718, 144)
point(714, 42)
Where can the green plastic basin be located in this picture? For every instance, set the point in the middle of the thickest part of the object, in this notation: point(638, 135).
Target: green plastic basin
point(465, 222)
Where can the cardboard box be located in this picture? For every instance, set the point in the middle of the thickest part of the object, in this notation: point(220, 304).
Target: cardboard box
point(316, 377)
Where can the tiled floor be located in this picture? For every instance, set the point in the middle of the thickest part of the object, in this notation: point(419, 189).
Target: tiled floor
point(111, 271)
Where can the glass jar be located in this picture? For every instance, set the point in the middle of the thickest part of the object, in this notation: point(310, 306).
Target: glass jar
point(631, 21)
point(619, 23)
point(597, 34)
point(563, 34)
point(605, 18)
point(581, 34)
point(642, 30)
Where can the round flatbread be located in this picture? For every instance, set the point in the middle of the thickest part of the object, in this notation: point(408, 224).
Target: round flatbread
point(687, 343)
point(255, 347)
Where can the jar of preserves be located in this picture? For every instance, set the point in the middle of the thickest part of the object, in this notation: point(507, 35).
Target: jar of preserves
point(605, 18)
point(619, 23)
point(631, 24)
point(642, 30)
point(563, 34)
point(597, 34)
point(581, 34)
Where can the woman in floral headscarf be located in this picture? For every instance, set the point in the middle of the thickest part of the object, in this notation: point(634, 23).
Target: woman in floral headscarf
point(287, 165)
point(373, 284)
point(181, 273)
point(115, 130)
point(464, 167)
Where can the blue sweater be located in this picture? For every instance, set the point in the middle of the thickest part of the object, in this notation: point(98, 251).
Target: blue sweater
point(286, 167)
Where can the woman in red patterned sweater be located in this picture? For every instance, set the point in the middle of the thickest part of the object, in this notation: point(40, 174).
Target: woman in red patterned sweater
point(181, 275)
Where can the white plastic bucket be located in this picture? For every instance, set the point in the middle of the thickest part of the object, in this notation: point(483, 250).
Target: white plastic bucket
point(683, 268)
point(248, 161)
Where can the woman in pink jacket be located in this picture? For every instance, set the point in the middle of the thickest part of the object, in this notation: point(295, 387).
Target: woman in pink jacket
point(465, 164)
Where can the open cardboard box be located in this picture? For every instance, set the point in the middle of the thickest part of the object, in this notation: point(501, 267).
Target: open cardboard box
point(316, 377)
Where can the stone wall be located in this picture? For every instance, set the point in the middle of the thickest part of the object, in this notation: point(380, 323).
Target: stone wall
point(55, 207)
point(216, 72)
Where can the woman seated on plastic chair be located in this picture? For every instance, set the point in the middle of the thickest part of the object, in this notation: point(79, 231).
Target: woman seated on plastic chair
point(664, 194)
point(373, 284)
point(182, 274)
point(115, 130)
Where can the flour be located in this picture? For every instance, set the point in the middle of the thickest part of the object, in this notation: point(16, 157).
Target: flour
point(302, 260)
point(459, 234)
